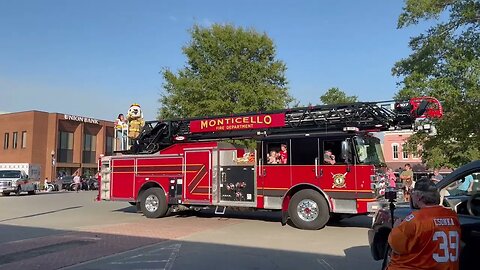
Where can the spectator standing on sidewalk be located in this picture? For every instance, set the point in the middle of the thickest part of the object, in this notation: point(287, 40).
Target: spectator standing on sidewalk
point(45, 184)
point(436, 177)
point(407, 179)
point(76, 180)
point(392, 179)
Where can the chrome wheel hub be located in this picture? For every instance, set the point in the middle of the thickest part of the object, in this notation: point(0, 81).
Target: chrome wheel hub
point(151, 203)
point(307, 210)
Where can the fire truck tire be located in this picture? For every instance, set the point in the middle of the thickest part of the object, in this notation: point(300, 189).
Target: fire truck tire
point(154, 203)
point(308, 210)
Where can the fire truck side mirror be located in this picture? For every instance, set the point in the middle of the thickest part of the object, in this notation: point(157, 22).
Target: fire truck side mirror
point(346, 151)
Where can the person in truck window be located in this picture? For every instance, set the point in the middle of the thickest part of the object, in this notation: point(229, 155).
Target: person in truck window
point(328, 158)
point(283, 155)
point(272, 157)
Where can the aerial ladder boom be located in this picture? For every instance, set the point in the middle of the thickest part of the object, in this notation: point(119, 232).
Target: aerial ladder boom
point(361, 116)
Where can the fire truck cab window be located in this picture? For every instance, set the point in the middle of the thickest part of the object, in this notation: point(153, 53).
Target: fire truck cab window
point(276, 153)
point(304, 151)
point(332, 152)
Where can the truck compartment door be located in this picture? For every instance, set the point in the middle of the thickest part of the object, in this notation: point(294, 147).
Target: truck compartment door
point(123, 179)
point(198, 179)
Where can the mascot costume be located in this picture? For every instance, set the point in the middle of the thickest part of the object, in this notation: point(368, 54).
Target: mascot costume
point(135, 121)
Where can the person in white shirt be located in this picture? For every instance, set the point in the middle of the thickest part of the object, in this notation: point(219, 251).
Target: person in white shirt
point(45, 183)
point(76, 180)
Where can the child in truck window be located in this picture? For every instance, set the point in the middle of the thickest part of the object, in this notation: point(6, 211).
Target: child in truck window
point(272, 158)
point(283, 154)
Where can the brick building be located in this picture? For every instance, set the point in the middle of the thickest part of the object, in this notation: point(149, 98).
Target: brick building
point(396, 155)
point(59, 143)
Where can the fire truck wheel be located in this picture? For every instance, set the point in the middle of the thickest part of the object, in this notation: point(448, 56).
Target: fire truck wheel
point(308, 210)
point(154, 203)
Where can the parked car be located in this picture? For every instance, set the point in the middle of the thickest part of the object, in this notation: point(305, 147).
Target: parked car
point(466, 206)
point(90, 184)
point(65, 182)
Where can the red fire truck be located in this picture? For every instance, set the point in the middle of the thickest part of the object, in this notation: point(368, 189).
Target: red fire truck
point(312, 163)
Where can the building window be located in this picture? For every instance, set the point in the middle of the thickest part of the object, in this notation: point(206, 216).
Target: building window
point(6, 138)
point(15, 140)
point(65, 147)
point(24, 139)
point(109, 146)
point(404, 152)
point(89, 147)
point(395, 150)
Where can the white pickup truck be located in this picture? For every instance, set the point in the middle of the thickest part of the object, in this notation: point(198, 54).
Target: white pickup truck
point(16, 180)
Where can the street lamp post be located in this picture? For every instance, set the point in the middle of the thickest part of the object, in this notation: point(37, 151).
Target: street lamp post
point(54, 174)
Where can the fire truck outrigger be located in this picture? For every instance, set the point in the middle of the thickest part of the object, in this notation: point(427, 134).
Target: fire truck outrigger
point(313, 163)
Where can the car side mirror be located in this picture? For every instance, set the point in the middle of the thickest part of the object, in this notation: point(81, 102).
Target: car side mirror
point(346, 151)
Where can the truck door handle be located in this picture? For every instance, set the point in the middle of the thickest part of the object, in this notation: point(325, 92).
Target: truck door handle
point(264, 172)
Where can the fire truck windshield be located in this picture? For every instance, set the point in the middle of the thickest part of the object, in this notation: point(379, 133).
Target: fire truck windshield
point(369, 150)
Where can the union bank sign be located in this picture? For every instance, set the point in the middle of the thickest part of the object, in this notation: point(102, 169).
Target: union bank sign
point(81, 119)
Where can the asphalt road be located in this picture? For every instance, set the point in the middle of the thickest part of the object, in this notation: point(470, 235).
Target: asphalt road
point(72, 231)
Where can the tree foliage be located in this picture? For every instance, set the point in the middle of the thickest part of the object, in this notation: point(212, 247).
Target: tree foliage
point(336, 96)
point(445, 63)
point(229, 70)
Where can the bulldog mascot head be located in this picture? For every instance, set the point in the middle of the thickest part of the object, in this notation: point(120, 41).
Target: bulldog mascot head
point(135, 121)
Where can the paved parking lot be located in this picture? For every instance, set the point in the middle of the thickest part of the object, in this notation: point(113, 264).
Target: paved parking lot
point(72, 231)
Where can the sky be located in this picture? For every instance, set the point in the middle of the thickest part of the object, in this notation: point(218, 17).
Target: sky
point(95, 58)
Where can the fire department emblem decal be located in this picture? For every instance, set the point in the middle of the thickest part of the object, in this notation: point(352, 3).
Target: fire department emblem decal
point(339, 180)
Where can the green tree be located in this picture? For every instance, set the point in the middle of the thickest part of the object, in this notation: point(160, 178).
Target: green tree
point(229, 70)
point(445, 63)
point(336, 96)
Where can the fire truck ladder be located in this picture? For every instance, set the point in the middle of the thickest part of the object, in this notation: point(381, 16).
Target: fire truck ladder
point(365, 116)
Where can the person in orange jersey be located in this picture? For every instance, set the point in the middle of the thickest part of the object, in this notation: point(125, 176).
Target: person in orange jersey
point(428, 238)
